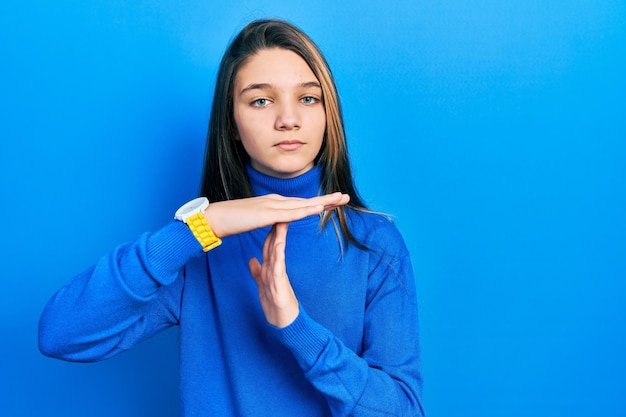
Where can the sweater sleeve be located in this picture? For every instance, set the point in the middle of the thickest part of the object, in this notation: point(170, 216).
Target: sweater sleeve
point(385, 378)
point(130, 294)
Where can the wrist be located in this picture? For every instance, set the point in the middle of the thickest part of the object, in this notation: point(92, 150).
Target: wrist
point(193, 215)
point(210, 215)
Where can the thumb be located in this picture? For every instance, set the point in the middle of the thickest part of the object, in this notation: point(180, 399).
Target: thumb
point(255, 269)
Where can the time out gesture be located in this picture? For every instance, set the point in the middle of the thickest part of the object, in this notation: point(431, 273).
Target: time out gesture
point(230, 217)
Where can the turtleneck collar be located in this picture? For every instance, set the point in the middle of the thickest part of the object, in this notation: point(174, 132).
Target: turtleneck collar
point(304, 186)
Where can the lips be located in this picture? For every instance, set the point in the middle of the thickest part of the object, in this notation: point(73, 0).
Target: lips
point(289, 145)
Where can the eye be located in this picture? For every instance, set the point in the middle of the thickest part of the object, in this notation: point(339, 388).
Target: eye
point(260, 102)
point(309, 100)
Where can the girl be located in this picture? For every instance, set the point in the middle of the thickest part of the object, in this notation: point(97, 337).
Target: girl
point(335, 331)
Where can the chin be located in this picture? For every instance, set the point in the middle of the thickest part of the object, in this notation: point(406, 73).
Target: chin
point(284, 170)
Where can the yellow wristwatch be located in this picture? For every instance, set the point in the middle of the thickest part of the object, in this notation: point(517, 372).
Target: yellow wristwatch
point(192, 214)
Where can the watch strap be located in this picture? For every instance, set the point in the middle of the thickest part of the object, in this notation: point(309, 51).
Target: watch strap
point(202, 231)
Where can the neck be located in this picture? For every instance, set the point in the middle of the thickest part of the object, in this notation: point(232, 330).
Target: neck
point(305, 185)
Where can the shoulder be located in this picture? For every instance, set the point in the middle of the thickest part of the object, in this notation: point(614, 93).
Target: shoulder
point(377, 231)
point(388, 259)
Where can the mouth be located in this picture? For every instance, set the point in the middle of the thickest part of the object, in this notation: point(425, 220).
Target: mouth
point(289, 145)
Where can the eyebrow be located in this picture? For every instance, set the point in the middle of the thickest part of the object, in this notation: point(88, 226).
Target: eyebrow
point(267, 86)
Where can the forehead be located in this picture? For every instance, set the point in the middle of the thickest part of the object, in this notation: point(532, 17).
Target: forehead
point(274, 66)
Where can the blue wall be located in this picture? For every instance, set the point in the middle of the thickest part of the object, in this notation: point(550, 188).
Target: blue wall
point(493, 130)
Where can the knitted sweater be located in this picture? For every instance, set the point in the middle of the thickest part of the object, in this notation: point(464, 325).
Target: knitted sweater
point(352, 350)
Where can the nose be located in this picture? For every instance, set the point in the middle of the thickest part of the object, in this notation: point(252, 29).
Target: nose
point(287, 118)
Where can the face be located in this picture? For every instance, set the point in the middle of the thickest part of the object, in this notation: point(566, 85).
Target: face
point(279, 111)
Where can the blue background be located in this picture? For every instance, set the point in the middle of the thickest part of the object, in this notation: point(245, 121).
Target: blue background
point(494, 131)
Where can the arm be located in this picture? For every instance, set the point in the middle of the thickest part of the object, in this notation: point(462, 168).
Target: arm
point(385, 379)
point(134, 291)
point(129, 295)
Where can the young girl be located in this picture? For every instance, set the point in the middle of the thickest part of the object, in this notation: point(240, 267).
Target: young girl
point(292, 298)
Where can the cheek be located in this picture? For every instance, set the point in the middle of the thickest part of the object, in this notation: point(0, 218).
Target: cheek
point(320, 123)
point(245, 124)
point(249, 132)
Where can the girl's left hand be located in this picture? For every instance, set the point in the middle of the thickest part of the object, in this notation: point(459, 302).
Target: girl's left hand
point(278, 300)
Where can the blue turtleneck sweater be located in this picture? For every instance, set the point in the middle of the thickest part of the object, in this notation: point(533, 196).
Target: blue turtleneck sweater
point(353, 349)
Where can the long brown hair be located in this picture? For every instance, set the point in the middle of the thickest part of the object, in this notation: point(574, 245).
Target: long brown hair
point(224, 174)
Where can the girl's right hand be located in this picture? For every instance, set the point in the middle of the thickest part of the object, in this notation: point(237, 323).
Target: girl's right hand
point(231, 217)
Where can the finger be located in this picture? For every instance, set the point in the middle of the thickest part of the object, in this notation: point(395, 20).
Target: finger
point(276, 269)
point(286, 215)
point(329, 202)
point(280, 232)
point(274, 247)
point(337, 198)
point(290, 213)
point(287, 203)
point(267, 244)
point(255, 269)
point(345, 199)
point(278, 250)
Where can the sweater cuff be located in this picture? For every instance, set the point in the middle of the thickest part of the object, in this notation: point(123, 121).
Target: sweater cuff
point(169, 249)
point(305, 338)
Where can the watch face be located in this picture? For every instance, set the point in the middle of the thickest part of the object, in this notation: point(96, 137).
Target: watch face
point(192, 207)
